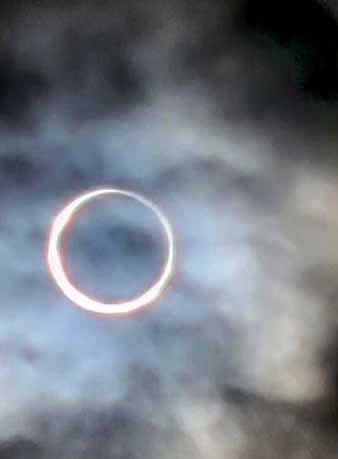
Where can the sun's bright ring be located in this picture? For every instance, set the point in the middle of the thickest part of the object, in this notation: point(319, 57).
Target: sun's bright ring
point(55, 263)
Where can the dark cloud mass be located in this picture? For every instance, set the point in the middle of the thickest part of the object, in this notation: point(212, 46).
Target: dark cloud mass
point(225, 114)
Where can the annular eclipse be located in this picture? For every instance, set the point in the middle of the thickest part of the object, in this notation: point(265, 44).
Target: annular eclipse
point(55, 256)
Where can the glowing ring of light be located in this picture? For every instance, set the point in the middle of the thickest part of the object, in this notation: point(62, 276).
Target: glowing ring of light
point(55, 264)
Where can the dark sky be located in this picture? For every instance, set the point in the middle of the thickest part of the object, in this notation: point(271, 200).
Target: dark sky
point(225, 114)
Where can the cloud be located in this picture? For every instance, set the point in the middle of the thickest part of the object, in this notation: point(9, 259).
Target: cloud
point(189, 105)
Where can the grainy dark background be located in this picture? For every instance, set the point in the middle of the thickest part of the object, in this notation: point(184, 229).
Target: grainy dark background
point(225, 113)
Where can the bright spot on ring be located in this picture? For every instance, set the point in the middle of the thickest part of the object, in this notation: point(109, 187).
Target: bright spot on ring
point(55, 263)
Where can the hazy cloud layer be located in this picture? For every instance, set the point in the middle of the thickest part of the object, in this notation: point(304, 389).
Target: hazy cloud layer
point(222, 124)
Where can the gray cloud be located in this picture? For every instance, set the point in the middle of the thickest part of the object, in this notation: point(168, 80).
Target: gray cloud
point(206, 117)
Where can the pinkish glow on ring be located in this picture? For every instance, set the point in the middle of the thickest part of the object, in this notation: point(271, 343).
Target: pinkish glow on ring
point(55, 263)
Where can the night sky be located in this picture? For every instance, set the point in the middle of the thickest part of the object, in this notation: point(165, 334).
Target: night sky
point(225, 114)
